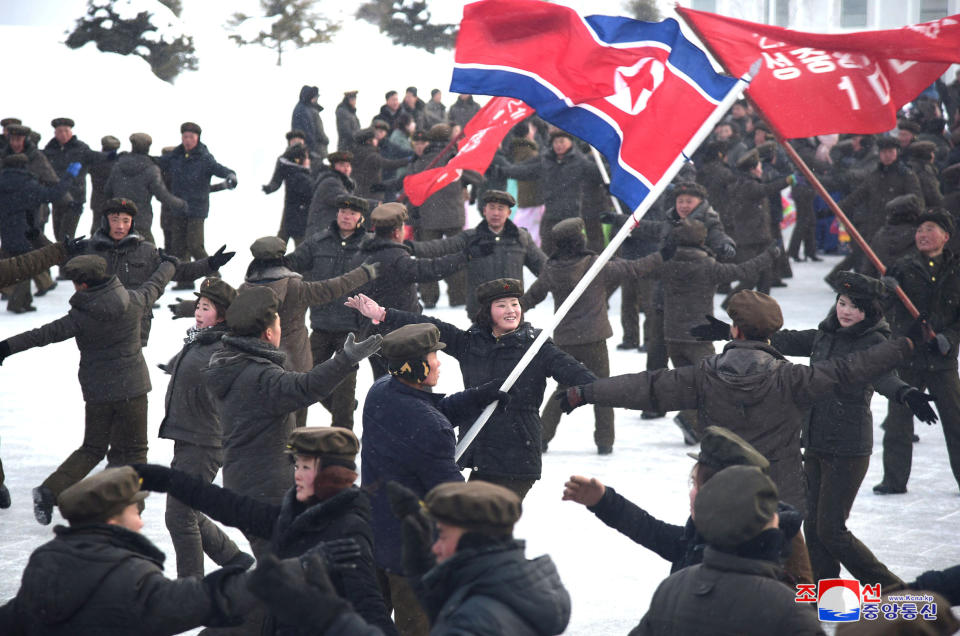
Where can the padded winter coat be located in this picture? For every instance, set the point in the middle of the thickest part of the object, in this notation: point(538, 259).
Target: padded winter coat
point(190, 414)
point(136, 177)
point(189, 174)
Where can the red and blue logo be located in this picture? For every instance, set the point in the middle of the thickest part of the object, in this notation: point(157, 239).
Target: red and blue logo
point(838, 600)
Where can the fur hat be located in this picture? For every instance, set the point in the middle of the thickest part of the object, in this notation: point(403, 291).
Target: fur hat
point(296, 134)
point(886, 141)
point(62, 121)
point(908, 125)
point(748, 161)
point(903, 209)
point(119, 205)
point(109, 142)
point(140, 142)
point(341, 156)
point(10, 121)
point(497, 196)
point(439, 132)
point(690, 232)
point(499, 288)
point(189, 126)
point(559, 132)
point(921, 149)
point(350, 202)
point(364, 135)
point(690, 188)
point(939, 216)
point(18, 130)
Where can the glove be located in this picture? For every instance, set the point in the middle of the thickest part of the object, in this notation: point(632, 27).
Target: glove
point(168, 258)
point(4, 350)
point(571, 398)
point(339, 554)
point(668, 250)
point(715, 329)
point(372, 269)
point(479, 247)
point(490, 391)
point(726, 252)
point(298, 591)
point(919, 403)
point(219, 258)
point(358, 351)
point(939, 345)
point(74, 169)
point(182, 308)
point(153, 477)
point(775, 251)
point(231, 181)
point(75, 246)
point(265, 188)
point(416, 530)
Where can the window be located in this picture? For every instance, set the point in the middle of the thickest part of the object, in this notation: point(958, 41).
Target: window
point(932, 10)
point(853, 13)
point(782, 16)
point(704, 5)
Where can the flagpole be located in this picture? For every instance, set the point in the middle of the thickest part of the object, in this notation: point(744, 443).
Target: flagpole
point(606, 178)
point(705, 129)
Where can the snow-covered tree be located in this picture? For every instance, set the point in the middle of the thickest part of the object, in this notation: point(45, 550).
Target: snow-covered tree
point(645, 10)
point(285, 24)
point(146, 28)
point(407, 22)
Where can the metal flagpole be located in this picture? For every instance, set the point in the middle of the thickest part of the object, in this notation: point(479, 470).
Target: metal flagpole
point(607, 253)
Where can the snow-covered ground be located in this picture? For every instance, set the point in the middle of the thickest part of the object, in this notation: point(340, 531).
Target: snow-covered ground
point(243, 102)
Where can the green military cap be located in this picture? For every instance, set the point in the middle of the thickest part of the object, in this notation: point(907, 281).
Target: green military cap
point(476, 506)
point(499, 288)
point(217, 290)
point(333, 444)
point(497, 196)
point(720, 448)
point(411, 341)
point(734, 506)
point(10, 121)
point(690, 232)
point(101, 496)
point(748, 161)
point(690, 188)
point(939, 216)
point(344, 156)
point(568, 230)
point(856, 286)
point(85, 268)
point(189, 126)
point(120, 205)
point(253, 310)
point(62, 121)
point(388, 215)
point(350, 202)
point(109, 142)
point(439, 132)
point(754, 313)
point(268, 247)
point(18, 130)
point(140, 142)
point(921, 149)
point(16, 160)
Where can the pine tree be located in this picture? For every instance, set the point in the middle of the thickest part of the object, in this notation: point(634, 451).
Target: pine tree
point(115, 28)
point(407, 22)
point(292, 23)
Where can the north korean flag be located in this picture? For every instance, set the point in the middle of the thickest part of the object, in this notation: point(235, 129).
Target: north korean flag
point(637, 91)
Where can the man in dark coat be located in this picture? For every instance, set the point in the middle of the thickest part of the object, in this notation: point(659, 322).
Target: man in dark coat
point(462, 111)
point(190, 167)
point(62, 151)
point(99, 173)
point(292, 170)
point(109, 577)
point(931, 279)
point(920, 158)
point(390, 109)
point(105, 320)
point(347, 121)
point(895, 239)
point(332, 183)
point(738, 588)
point(415, 107)
point(369, 163)
point(306, 117)
point(435, 112)
point(136, 177)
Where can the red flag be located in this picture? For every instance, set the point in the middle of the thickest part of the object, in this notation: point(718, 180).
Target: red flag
point(814, 84)
point(481, 138)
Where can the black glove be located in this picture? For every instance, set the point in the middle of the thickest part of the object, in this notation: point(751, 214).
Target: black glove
point(571, 398)
point(168, 258)
point(490, 391)
point(339, 554)
point(231, 181)
point(219, 258)
point(668, 250)
point(182, 308)
point(4, 350)
point(479, 247)
point(919, 403)
point(76, 246)
point(359, 351)
point(726, 252)
point(610, 218)
point(939, 345)
point(265, 188)
point(154, 477)
point(715, 329)
point(298, 591)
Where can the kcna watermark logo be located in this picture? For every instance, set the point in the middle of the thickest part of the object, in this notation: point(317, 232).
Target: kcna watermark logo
point(845, 600)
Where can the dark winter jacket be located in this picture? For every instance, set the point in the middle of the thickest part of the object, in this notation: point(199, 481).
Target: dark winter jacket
point(256, 399)
point(434, 113)
point(105, 321)
point(840, 422)
point(407, 438)
point(306, 117)
point(934, 287)
point(13, 270)
point(417, 112)
point(510, 443)
point(189, 174)
point(750, 209)
point(513, 249)
point(727, 595)
point(61, 157)
point(462, 111)
point(296, 195)
point(388, 115)
point(347, 124)
point(718, 239)
point(752, 390)
point(368, 166)
point(293, 528)
point(717, 177)
point(929, 182)
point(330, 186)
point(295, 295)
point(443, 210)
point(21, 194)
point(99, 175)
point(587, 321)
point(528, 191)
point(865, 204)
point(327, 255)
point(191, 416)
point(106, 580)
point(567, 183)
point(136, 177)
point(892, 242)
point(38, 165)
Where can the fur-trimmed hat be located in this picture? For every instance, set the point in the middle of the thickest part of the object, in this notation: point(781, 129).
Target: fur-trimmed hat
point(10, 121)
point(62, 121)
point(903, 209)
point(559, 132)
point(119, 205)
point(856, 286)
point(690, 188)
point(908, 125)
point(350, 202)
point(18, 130)
point(939, 216)
point(921, 149)
point(886, 141)
point(16, 160)
point(140, 142)
point(109, 142)
point(499, 288)
point(341, 156)
point(189, 126)
point(296, 134)
point(690, 232)
point(748, 161)
point(379, 124)
point(364, 135)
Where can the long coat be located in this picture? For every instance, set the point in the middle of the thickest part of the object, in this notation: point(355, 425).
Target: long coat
point(510, 443)
point(296, 196)
point(368, 166)
point(750, 210)
point(443, 210)
point(190, 414)
point(347, 124)
point(306, 117)
point(751, 389)
point(21, 194)
point(329, 186)
point(61, 156)
point(256, 399)
point(189, 174)
point(873, 191)
point(136, 177)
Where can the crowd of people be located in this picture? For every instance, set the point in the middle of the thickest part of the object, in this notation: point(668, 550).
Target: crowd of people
point(416, 547)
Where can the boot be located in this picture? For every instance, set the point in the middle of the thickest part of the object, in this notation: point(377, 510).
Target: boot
point(43, 501)
point(4, 497)
point(690, 437)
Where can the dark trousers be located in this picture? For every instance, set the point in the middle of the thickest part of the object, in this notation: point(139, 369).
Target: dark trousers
point(654, 338)
point(342, 401)
point(186, 236)
point(192, 533)
point(115, 429)
point(763, 279)
point(19, 296)
point(65, 219)
point(456, 282)
point(167, 228)
point(898, 425)
point(594, 230)
point(805, 228)
point(399, 598)
point(832, 485)
point(630, 295)
point(594, 356)
point(687, 354)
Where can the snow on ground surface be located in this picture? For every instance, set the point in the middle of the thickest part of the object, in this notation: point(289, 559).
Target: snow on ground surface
point(243, 102)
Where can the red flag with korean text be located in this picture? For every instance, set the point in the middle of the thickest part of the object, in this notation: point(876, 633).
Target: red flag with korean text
point(814, 84)
point(481, 138)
